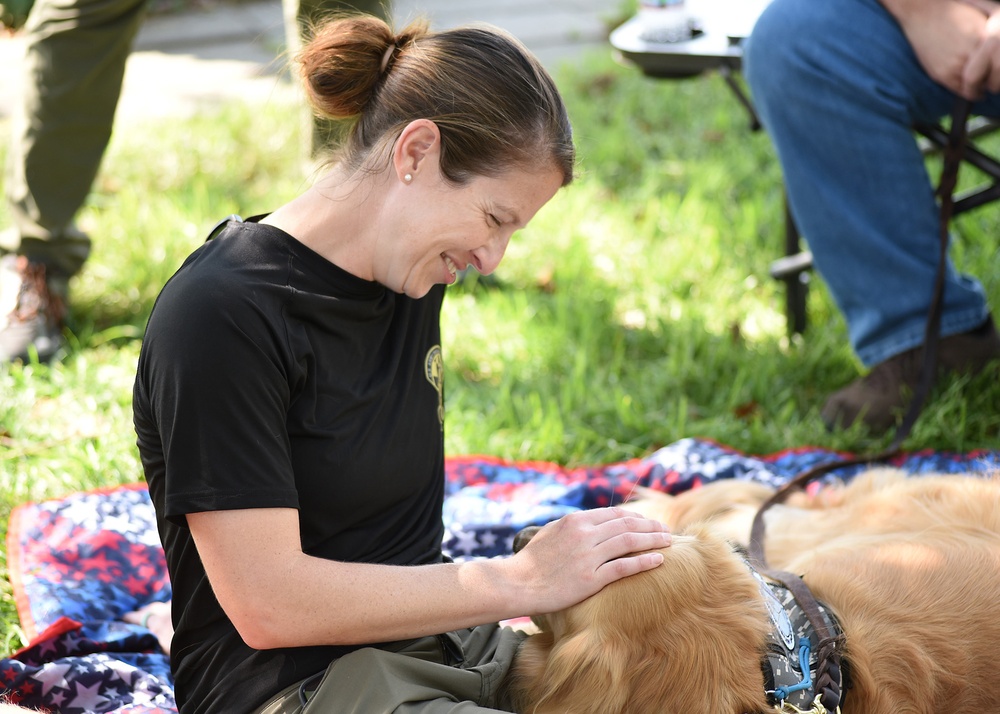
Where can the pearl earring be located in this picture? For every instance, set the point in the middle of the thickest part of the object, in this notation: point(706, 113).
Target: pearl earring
point(408, 178)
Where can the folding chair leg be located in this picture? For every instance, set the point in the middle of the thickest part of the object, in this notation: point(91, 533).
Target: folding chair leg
point(793, 270)
point(797, 283)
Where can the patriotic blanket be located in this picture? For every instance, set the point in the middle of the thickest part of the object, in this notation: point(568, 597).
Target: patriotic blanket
point(79, 563)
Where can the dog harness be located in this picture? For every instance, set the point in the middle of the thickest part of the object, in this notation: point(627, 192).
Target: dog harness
point(796, 679)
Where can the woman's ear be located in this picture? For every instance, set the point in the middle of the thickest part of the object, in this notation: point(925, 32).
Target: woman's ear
point(417, 149)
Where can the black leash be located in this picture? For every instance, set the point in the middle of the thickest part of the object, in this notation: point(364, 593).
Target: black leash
point(828, 670)
point(932, 334)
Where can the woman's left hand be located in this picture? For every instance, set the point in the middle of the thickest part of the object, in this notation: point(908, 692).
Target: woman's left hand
point(156, 618)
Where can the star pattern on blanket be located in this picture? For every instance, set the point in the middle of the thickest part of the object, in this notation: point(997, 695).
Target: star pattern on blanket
point(90, 556)
point(79, 668)
point(81, 562)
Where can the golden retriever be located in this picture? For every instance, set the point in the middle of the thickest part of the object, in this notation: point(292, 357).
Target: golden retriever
point(909, 566)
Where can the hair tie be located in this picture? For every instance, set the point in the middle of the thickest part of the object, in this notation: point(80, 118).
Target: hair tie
point(387, 56)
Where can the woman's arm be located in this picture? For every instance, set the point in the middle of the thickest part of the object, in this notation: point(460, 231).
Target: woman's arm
point(277, 596)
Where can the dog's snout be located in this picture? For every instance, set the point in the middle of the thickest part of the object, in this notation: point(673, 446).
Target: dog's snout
point(523, 536)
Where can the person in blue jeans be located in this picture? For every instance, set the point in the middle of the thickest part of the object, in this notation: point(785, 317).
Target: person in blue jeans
point(74, 63)
point(838, 85)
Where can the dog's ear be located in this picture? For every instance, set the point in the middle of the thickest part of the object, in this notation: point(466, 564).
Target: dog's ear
point(581, 674)
point(652, 504)
point(685, 638)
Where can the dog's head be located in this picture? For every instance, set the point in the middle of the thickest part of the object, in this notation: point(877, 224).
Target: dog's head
point(685, 637)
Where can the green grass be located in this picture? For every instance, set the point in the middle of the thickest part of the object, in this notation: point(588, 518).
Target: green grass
point(635, 310)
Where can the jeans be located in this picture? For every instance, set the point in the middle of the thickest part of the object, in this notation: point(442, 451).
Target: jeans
point(838, 88)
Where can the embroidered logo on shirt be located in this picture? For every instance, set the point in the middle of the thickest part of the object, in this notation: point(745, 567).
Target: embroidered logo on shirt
point(434, 371)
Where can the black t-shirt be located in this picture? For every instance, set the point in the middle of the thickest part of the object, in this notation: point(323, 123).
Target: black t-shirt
point(270, 377)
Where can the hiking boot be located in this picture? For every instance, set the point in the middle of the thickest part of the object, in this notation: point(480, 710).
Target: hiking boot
point(32, 308)
point(880, 396)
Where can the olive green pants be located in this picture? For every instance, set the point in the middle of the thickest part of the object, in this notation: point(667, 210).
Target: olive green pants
point(75, 55)
point(300, 17)
point(457, 673)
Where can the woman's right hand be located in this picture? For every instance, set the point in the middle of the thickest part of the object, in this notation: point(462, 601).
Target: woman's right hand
point(574, 557)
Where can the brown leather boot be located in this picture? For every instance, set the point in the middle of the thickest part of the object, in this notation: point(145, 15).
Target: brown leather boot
point(880, 396)
point(32, 308)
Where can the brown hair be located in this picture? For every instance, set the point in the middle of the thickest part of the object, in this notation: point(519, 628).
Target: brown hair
point(494, 103)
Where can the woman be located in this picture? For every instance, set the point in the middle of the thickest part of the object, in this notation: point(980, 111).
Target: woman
point(289, 405)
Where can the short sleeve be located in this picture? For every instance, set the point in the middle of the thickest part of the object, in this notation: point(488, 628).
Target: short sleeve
point(214, 376)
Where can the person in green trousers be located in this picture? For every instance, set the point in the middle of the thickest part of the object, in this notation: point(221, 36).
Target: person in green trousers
point(74, 63)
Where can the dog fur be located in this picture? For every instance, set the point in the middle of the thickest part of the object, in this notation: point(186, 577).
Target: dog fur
point(909, 565)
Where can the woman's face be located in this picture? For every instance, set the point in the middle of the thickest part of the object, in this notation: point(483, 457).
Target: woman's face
point(443, 229)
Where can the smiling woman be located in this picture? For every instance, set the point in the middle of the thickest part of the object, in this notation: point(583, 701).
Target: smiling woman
point(451, 159)
point(289, 400)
